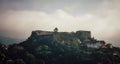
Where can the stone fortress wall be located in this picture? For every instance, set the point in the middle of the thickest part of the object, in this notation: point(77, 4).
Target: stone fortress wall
point(78, 34)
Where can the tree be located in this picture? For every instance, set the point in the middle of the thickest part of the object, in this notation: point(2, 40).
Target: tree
point(19, 61)
point(56, 30)
point(29, 58)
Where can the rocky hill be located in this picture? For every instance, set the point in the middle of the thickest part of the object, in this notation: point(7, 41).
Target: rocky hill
point(53, 47)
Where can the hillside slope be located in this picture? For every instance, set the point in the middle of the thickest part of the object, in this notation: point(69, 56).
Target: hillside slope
point(44, 47)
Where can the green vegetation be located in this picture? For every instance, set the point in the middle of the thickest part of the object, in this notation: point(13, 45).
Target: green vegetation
point(57, 53)
point(56, 30)
point(57, 48)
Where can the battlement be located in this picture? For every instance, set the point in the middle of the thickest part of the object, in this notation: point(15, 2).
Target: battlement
point(63, 35)
point(40, 32)
point(83, 34)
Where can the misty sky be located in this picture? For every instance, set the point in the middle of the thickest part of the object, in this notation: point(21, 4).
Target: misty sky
point(102, 17)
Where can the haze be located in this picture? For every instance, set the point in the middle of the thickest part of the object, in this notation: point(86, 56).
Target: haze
point(19, 17)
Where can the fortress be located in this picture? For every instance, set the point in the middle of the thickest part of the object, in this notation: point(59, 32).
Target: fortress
point(82, 35)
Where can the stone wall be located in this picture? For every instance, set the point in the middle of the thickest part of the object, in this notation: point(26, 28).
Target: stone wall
point(82, 35)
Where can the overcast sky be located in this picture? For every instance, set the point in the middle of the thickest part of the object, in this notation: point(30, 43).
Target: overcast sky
point(102, 17)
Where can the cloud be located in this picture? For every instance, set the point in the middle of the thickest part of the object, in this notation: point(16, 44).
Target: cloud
point(30, 20)
point(103, 19)
point(26, 21)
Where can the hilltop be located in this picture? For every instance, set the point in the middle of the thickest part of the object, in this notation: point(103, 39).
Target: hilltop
point(80, 37)
point(53, 47)
point(60, 36)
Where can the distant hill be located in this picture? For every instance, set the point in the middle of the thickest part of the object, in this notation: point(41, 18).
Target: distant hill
point(7, 40)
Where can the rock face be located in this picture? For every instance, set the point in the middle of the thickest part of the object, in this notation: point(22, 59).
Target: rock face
point(60, 36)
